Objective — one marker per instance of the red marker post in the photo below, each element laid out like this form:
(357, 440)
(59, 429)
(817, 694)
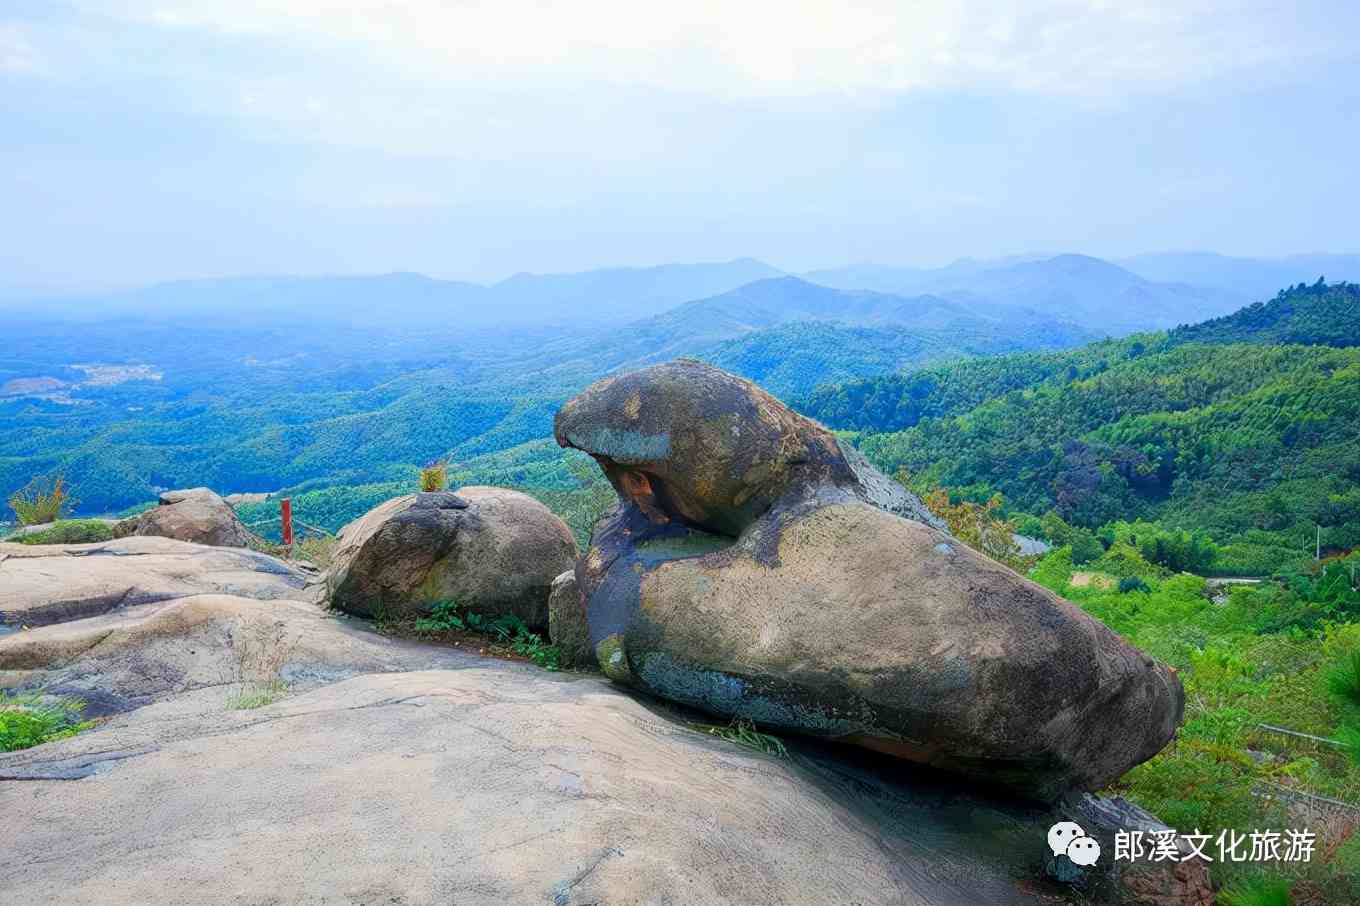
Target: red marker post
(286, 514)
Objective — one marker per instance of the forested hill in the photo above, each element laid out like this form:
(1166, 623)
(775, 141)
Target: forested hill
(1219, 427)
(1321, 315)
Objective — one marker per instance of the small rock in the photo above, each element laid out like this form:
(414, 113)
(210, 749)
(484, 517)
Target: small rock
(567, 628)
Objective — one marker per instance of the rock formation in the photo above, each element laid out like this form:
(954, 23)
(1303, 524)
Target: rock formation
(50, 583)
(492, 550)
(196, 515)
(755, 569)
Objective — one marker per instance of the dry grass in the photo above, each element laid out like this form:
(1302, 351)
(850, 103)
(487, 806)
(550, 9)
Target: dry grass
(262, 650)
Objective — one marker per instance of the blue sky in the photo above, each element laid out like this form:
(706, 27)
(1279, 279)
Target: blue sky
(159, 140)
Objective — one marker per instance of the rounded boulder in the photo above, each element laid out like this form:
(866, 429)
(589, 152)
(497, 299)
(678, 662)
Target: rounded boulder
(196, 515)
(492, 550)
(756, 569)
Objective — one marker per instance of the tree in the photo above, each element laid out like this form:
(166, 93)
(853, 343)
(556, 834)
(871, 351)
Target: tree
(980, 526)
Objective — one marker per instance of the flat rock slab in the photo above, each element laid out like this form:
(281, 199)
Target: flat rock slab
(147, 653)
(53, 583)
(478, 785)
(393, 771)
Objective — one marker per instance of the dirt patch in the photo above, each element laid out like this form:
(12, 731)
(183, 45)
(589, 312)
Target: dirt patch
(1092, 580)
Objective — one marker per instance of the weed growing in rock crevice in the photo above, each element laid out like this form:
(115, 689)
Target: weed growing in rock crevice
(745, 734)
(262, 649)
(257, 695)
(508, 634)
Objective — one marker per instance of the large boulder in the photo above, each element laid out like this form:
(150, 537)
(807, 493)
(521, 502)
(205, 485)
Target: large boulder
(53, 583)
(196, 515)
(751, 571)
(492, 550)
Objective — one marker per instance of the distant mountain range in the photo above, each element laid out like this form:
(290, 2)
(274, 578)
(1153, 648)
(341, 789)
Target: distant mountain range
(1146, 292)
(1087, 291)
(610, 296)
(749, 323)
(614, 295)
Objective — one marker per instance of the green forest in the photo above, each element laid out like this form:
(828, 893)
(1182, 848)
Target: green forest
(1245, 430)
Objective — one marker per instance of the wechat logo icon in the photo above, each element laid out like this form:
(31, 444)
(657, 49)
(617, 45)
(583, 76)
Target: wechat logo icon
(1066, 838)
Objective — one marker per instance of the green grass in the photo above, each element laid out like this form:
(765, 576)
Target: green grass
(744, 733)
(68, 531)
(28, 720)
(257, 695)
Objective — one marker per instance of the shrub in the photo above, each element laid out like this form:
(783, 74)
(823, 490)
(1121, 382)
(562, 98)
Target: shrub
(69, 531)
(1132, 583)
(1124, 560)
(1029, 526)
(979, 525)
(1344, 678)
(29, 720)
(318, 549)
(434, 477)
(1181, 551)
(1054, 570)
(41, 501)
(444, 617)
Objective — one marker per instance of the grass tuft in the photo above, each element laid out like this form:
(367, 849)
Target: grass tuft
(41, 501)
(743, 732)
(257, 695)
(434, 477)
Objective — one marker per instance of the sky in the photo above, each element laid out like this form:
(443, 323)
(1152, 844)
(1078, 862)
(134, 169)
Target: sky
(149, 141)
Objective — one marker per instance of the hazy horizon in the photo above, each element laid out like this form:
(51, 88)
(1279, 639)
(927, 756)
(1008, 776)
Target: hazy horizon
(206, 138)
(16, 290)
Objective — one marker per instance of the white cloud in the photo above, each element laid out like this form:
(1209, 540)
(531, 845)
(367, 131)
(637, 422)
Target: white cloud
(769, 48)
